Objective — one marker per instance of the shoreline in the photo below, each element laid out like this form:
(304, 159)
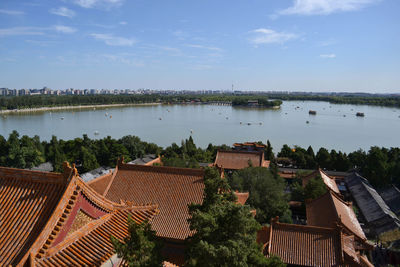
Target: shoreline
(43, 109)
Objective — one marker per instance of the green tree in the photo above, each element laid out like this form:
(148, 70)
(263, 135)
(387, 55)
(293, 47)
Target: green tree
(225, 231)
(376, 167)
(323, 158)
(269, 155)
(266, 193)
(315, 188)
(89, 161)
(141, 247)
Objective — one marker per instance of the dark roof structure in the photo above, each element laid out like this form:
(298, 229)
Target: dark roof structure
(373, 208)
(302, 245)
(236, 160)
(148, 159)
(391, 196)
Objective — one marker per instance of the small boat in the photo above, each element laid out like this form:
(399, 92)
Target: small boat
(312, 112)
(241, 122)
(96, 132)
(260, 123)
(307, 122)
(360, 114)
(160, 118)
(249, 123)
(110, 116)
(191, 131)
(226, 118)
(62, 118)
(344, 115)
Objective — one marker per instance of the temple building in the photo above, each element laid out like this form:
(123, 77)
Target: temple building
(173, 189)
(249, 146)
(376, 213)
(301, 245)
(52, 219)
(330, 210)
(236, 160)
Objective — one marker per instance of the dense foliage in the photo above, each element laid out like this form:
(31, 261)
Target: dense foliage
(18, 102)
(35, 101)
(225, 231)
(86, 153)
(392, 101)
(141, 247)
(188, 155)
(381, 166)
(267, 194)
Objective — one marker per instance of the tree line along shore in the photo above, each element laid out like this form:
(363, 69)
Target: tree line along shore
(381, 166)
(262, 100)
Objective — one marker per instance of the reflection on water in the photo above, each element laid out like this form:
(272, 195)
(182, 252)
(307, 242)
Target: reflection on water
(334, 126)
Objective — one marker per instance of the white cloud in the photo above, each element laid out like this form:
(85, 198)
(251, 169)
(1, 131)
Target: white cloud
(110, 39)
(212, 48)
(327, 56)
(63, 11)
(21, 31)
(324, 7)
(64, 29)
(123, 23)
(11, 12)
(98, 3)
(268, 36)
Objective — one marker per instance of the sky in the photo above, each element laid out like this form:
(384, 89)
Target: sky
(285, 45)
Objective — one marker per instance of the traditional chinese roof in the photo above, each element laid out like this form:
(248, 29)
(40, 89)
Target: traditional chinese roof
(101, 183)
(391, 196)
(171, 188)
(91, 245)
(373, 208)
(236, 160)
(253, 144)
(40, 211)
(308, 245)
(329, 209)
(241, 197)
(329, 181)
(27, 201)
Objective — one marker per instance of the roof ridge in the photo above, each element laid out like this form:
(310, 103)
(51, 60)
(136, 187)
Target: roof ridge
(163, 169)
(304, 227)
(26, 175)
(240, 152)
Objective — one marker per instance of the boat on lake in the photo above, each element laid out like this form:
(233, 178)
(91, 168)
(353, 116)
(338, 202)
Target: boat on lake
(360, 114)
(312, 112)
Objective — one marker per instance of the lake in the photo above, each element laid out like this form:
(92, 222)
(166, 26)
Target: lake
(334, 126)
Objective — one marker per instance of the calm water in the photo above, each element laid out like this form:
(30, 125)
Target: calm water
(165, 124)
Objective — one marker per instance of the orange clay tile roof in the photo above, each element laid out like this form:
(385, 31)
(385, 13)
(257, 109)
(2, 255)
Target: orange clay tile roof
(171, 188)
(236, 160)
(305, 245)
(100, 183)
(329, 181)
(91, 245)
(329, 209)
(27, 201)
(241, 197)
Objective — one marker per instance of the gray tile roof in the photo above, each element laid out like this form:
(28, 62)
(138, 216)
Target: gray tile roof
(371, 204)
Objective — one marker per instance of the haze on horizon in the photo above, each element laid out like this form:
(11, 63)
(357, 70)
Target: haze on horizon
(293, 45)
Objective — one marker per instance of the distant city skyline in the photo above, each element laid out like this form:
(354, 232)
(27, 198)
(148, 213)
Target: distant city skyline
(257, 45)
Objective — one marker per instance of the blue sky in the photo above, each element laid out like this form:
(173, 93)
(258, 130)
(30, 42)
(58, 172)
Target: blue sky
(294, 45)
